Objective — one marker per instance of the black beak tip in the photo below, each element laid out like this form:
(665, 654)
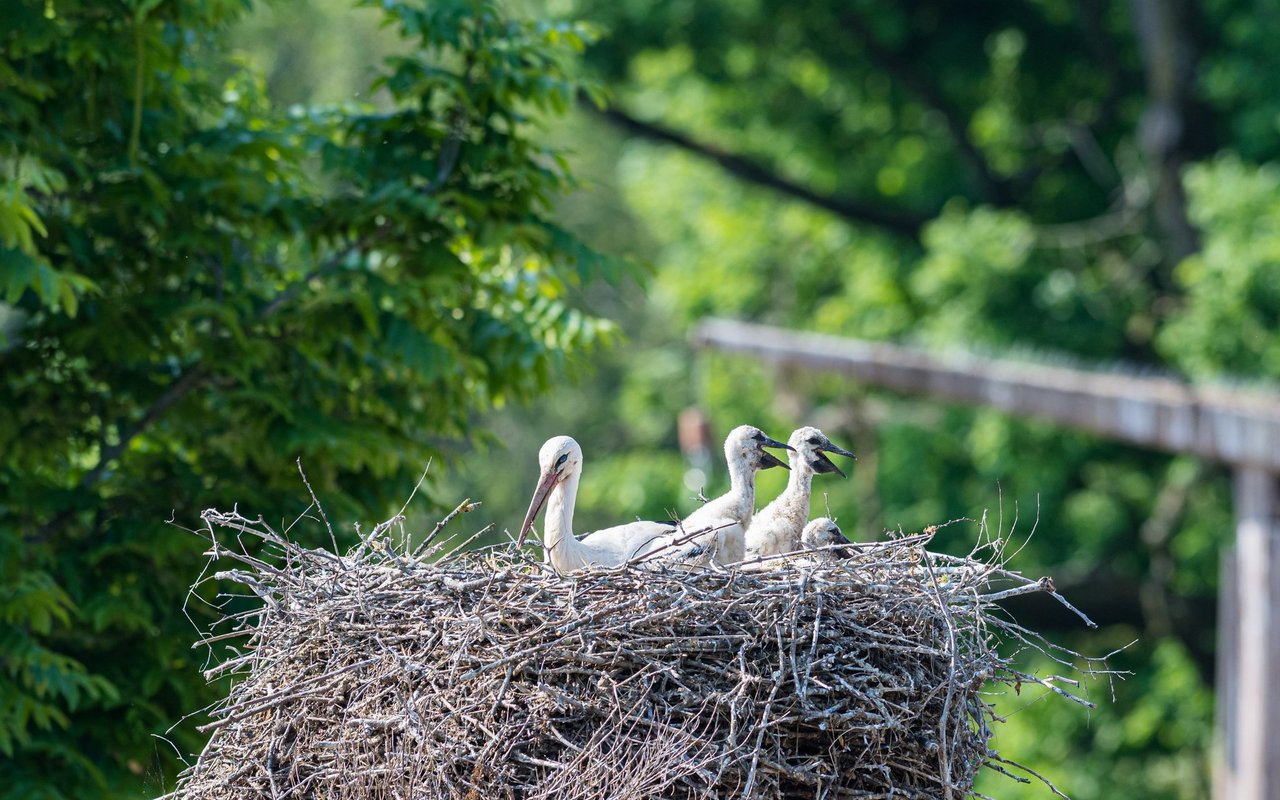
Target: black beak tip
(840, 451)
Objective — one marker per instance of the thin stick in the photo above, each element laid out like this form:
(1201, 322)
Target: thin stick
(315, 501)
(462, 508)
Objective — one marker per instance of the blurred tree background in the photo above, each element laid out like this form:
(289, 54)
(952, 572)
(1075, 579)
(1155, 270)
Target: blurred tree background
(1051, 180)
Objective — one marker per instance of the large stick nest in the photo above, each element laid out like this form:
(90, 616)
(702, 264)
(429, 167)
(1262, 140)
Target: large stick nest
(388, 672)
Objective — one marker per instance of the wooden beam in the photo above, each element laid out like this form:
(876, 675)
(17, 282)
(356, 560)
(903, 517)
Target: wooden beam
(1231, 426)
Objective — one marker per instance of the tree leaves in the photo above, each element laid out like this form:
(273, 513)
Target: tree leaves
(201, 288)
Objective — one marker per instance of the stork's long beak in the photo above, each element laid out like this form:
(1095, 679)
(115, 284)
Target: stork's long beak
(768, 459)
(545, 484)
(824, 464)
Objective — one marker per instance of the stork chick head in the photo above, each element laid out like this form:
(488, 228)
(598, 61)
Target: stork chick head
(822, 532)
(558, 460)
(747, 443)
(811, 445)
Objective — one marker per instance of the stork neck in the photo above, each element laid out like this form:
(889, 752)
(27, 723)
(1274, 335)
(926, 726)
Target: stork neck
(742, 484)
(799, 485)
(563, 549)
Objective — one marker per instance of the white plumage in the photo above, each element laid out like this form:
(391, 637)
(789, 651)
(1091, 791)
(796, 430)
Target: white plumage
(823, 539)
(776, 528)
(560, 462)
(729, 515)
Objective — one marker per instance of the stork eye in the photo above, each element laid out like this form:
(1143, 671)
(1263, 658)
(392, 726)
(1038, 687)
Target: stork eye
(560, 461)
(814, 440)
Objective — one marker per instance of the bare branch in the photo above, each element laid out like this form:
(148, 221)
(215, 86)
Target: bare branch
(901, 223)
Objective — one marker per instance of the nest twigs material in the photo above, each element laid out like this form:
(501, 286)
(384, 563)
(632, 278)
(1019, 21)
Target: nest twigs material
(392, 671)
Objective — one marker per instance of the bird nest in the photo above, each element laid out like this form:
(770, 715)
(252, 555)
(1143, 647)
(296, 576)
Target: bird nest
(397, 672)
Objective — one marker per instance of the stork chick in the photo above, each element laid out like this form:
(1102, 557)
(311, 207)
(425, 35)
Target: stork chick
(560, 463)
(776, 528)
(824, 539)
(729, 515)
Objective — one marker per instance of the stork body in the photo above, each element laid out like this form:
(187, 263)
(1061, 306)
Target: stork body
(776, 528)
(728, 516)
(560, 461)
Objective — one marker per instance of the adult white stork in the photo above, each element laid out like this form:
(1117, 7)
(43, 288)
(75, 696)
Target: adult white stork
(729, 515)
(560, 461)
(823, 539)
(776, 529)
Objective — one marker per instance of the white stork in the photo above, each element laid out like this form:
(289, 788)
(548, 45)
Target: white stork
(729, 515)
(824, 539)
(560, 461)
(776, 528)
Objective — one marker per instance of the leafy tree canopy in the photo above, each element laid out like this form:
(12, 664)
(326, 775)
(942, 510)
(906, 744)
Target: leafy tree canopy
(200, 286)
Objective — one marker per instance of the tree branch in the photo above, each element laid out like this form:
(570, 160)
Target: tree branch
(190, 378)
(329, 265)
(1169, 59)
(901, 223)
(995, 188)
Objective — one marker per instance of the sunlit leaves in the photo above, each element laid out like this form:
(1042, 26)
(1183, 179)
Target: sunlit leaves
(23, 266)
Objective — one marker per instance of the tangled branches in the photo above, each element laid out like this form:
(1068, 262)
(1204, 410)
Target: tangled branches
(387, 673)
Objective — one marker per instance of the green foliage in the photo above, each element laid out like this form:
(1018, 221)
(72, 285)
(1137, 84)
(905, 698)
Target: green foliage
(202, 286)
(40, 686)
(1228, 320)
(22, 265)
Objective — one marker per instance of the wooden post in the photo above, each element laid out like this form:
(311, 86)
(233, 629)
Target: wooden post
(1248, 765)
(1225, 755)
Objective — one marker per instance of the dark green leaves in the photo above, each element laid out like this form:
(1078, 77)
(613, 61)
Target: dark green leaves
(198, 288)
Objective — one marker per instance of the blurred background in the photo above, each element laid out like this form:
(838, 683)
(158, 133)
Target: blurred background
(1064, 182)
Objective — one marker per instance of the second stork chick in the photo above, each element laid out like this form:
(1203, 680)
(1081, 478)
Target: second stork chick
(729, 515)
(776, 528)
